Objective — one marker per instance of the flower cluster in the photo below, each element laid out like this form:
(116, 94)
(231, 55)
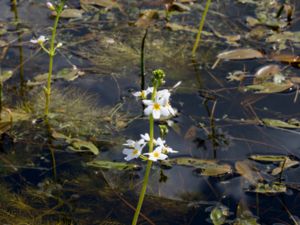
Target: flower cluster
(157, 107)
(134, 149)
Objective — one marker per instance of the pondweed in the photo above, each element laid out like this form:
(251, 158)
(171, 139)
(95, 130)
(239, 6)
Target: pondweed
(157, 107)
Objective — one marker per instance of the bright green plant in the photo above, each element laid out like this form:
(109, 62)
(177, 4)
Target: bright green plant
(57, 9)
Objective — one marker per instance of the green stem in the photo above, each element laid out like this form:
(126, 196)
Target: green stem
(51, 57)
(149, 165)
(196, 44)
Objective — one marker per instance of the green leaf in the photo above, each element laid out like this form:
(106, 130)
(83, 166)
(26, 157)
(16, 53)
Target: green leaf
(269, 158)
(5, 75)
(219, 214)
(113, 165)
(270, 188)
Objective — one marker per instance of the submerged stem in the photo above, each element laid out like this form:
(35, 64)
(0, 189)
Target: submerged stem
(196, 44)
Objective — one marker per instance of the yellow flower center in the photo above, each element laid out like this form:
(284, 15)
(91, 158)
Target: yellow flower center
(156, 106)
(143, 94)
(156, 154)
(135, 152)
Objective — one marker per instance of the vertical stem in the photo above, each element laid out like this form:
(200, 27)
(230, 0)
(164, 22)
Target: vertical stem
(149, 164)
(51, 57)
(143, 61)
(196, 44)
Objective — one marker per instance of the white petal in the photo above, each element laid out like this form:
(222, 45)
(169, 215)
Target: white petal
(156, 114)
(164, 111)
(127, 151)
(137, 94)
(162, 156)
(148, 102)
(148, 110)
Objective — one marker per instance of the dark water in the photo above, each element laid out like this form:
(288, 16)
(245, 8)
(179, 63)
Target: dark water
(106, 48)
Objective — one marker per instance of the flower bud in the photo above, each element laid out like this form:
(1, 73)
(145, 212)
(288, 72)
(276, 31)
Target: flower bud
(50, 6)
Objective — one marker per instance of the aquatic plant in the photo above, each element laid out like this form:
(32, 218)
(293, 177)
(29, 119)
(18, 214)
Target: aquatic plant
(157, 107)
(57, 8)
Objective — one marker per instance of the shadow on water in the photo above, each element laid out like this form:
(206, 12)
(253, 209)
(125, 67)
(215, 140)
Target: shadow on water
(93, 108)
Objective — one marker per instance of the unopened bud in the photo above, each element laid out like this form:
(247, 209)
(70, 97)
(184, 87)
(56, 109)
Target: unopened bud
(50, 6)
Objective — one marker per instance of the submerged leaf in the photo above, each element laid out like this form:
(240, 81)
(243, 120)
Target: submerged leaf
(70, 13)
(101, 3)
(5, 75)
(219, 214)
(146, 18)
(113, 165)
(279, 123)
(80, 145)
(247, 170)
(240, 54)
(244, 215)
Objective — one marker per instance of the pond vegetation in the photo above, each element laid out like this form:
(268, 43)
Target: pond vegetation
(71, 73)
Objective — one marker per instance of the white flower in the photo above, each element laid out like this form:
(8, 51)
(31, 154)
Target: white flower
(156, 108)
(40, 40)
(131, 143)
(163, 95)
(278, 78)
(167, 149)
(145, 137)
(156, 155)
(143, 94)
(50, 6)
(159, 142)
(133, 153)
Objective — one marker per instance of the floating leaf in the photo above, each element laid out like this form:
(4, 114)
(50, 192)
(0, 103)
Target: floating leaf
(268, 158)
(269, 87)
(240, 54)
(113, 165)
(146, 18)
(284, 165)
(247, 170)
(203, 167)
(70, 13)
(269, 188)
(265, 73)
(279, 123)
(69, 74)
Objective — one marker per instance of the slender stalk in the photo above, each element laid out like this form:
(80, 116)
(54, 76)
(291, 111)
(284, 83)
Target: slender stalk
(196, 44)
(143, 61)
(149, 165)
(51, 57)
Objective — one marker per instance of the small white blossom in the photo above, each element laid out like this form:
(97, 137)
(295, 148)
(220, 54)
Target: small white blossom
(163, 95)
(157, 154)
(144, 93)
(145, 137)
(40, 40)
(59, 45)
(156, 108)
(134, 152)
(167, 149)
